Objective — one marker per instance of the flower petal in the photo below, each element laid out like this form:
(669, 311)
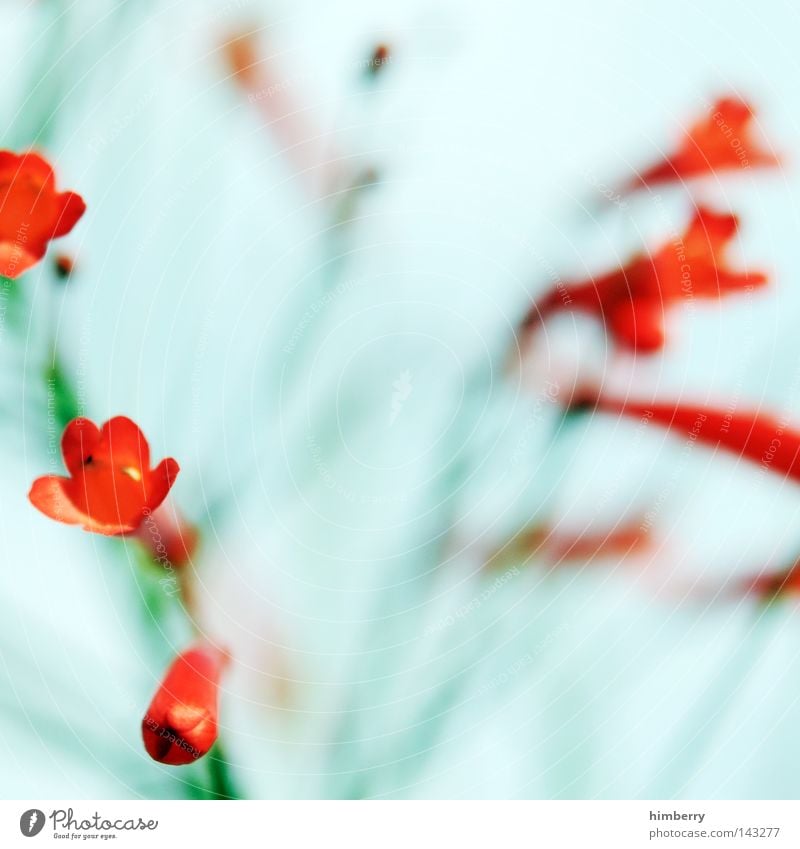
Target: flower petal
(160, 481)
(71, 208)
(15, 259)
(78, 442)
(37, 168)
(49, 497)
(124, 444)
(638, 324)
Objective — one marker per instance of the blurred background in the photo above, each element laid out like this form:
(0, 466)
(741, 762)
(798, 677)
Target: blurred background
(313, 232)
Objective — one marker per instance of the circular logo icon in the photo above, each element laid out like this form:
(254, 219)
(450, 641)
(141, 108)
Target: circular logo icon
(31, 822)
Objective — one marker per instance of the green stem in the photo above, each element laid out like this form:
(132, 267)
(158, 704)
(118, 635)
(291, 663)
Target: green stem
(222, 786)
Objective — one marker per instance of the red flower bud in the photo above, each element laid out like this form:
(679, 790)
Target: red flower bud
(720, 141)
(380, 56)
(180, 725)
(111, 485)
(631, 301)
(31, 211)
(64, 265)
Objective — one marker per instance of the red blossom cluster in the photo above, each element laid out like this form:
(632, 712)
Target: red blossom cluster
(759, 438)
(631, 300)
(111, 489)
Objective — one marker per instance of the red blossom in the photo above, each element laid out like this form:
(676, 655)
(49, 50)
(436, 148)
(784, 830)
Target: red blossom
(32, 212)
(180, 725)
(722, 140)
(631, 300)
(111, 487)
(758, 437)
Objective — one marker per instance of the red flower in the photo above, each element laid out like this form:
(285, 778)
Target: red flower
(31, 211)
(180, 725)
(111, 485)
(631, 300)
(757, 437)
(720, 141)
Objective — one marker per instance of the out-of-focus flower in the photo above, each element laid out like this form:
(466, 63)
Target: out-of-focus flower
(772, 584)
(722, 140)
(557, 547)
(288, 116)
(243, 58)
(111, 485)
(32, 212)
(631, 300)
(180, 725)
(380, 57)
(754, 436)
